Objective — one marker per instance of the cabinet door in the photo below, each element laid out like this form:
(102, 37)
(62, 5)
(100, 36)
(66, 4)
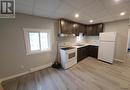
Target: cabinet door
(84, 52)
(85, 30)
(94, 30)
(73, 28)
(81, 28)
(94, 51)
(87, 51)
(79, 54)
(89, 30)
(100, 28)
(66, 27)
(76, 27)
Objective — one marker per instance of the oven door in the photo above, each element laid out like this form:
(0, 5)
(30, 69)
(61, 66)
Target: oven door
(71, 55)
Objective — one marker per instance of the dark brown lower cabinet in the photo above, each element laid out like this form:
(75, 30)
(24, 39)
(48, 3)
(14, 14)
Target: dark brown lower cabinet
(93, 51)
(81, 53)
(86, 51)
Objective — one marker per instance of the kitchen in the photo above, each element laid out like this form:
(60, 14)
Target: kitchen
(94, 48)
(73, 29)
(55, 45)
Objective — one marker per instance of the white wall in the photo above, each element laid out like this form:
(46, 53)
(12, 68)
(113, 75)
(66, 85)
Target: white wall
(1, 70)
(13, 45)
(121, 27)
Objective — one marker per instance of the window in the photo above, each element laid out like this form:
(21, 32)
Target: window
(37, 40)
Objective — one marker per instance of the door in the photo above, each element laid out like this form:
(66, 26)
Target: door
(106, 51)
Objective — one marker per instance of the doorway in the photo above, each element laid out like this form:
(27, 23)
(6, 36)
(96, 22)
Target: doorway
(128, 45)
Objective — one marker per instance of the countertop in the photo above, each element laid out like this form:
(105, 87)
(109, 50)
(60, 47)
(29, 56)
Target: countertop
(85, 45)
(78, 45)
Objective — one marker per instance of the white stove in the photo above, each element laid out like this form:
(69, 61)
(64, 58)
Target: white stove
(68, 56)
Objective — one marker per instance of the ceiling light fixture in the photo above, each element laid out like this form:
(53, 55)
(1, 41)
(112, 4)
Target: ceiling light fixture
(91, 21)
(76, 15)
(122, 13)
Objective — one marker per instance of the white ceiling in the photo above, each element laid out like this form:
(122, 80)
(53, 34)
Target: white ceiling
(98, 10)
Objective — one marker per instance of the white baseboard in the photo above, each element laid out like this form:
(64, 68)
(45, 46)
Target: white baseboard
(31, 70)
(40, 67)
(119, 60)
(14, 76)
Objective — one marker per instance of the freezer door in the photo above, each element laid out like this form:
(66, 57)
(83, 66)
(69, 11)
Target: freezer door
(106, 51)
(107, 36)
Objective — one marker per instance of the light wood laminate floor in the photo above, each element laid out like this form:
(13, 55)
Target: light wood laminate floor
(89, 74)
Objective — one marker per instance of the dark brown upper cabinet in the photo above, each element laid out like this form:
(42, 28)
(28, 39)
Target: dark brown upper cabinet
(79, 28)
(91, 30)
(94, 30)
(71, 27)
(100, 28)
(76, 29)
(66, 27)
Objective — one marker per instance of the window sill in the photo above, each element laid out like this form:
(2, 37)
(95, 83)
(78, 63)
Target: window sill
(37, 52)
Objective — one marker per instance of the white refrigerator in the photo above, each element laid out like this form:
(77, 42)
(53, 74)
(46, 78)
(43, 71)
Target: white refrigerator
(106, 50)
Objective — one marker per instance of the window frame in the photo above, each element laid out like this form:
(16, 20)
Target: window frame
(27, 41)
